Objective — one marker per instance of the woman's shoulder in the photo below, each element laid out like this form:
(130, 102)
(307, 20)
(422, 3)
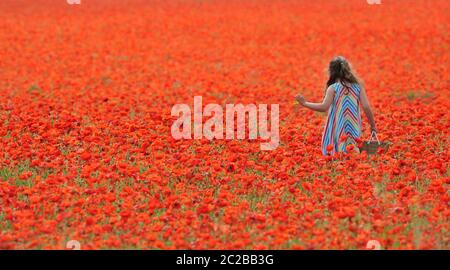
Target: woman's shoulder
(355, 85)
(335, 85)
(332, 87)
(358, 86)
(339, 86)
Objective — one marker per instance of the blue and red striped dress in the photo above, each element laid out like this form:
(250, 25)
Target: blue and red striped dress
(344, 119)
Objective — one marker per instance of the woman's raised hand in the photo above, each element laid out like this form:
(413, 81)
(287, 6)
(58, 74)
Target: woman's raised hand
(300, 99)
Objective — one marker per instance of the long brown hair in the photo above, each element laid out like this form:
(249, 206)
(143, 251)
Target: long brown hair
(340, 70)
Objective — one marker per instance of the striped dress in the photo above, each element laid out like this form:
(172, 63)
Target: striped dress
(344, 119)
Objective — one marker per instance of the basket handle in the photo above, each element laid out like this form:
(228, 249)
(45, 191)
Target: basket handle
(373, 137)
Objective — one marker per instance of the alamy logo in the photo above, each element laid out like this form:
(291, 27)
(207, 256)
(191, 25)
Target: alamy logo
(74, 2)
(373, 245)
(213, 128)
(73, 245)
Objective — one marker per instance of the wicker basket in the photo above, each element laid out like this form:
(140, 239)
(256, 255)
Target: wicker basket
(373, 144)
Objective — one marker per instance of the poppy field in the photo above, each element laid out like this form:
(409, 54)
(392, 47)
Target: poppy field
(86, 92)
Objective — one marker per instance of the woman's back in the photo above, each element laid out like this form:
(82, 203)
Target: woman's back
(344, 118)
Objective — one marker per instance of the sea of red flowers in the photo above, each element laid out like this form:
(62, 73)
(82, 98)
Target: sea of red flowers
(86, 93)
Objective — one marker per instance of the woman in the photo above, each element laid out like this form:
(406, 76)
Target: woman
(344, 93)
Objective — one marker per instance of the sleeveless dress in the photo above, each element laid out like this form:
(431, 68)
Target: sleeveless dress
(343, 125)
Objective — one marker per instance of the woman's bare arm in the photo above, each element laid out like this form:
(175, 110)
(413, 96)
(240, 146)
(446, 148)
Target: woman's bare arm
(367, 109)
(320, 107)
